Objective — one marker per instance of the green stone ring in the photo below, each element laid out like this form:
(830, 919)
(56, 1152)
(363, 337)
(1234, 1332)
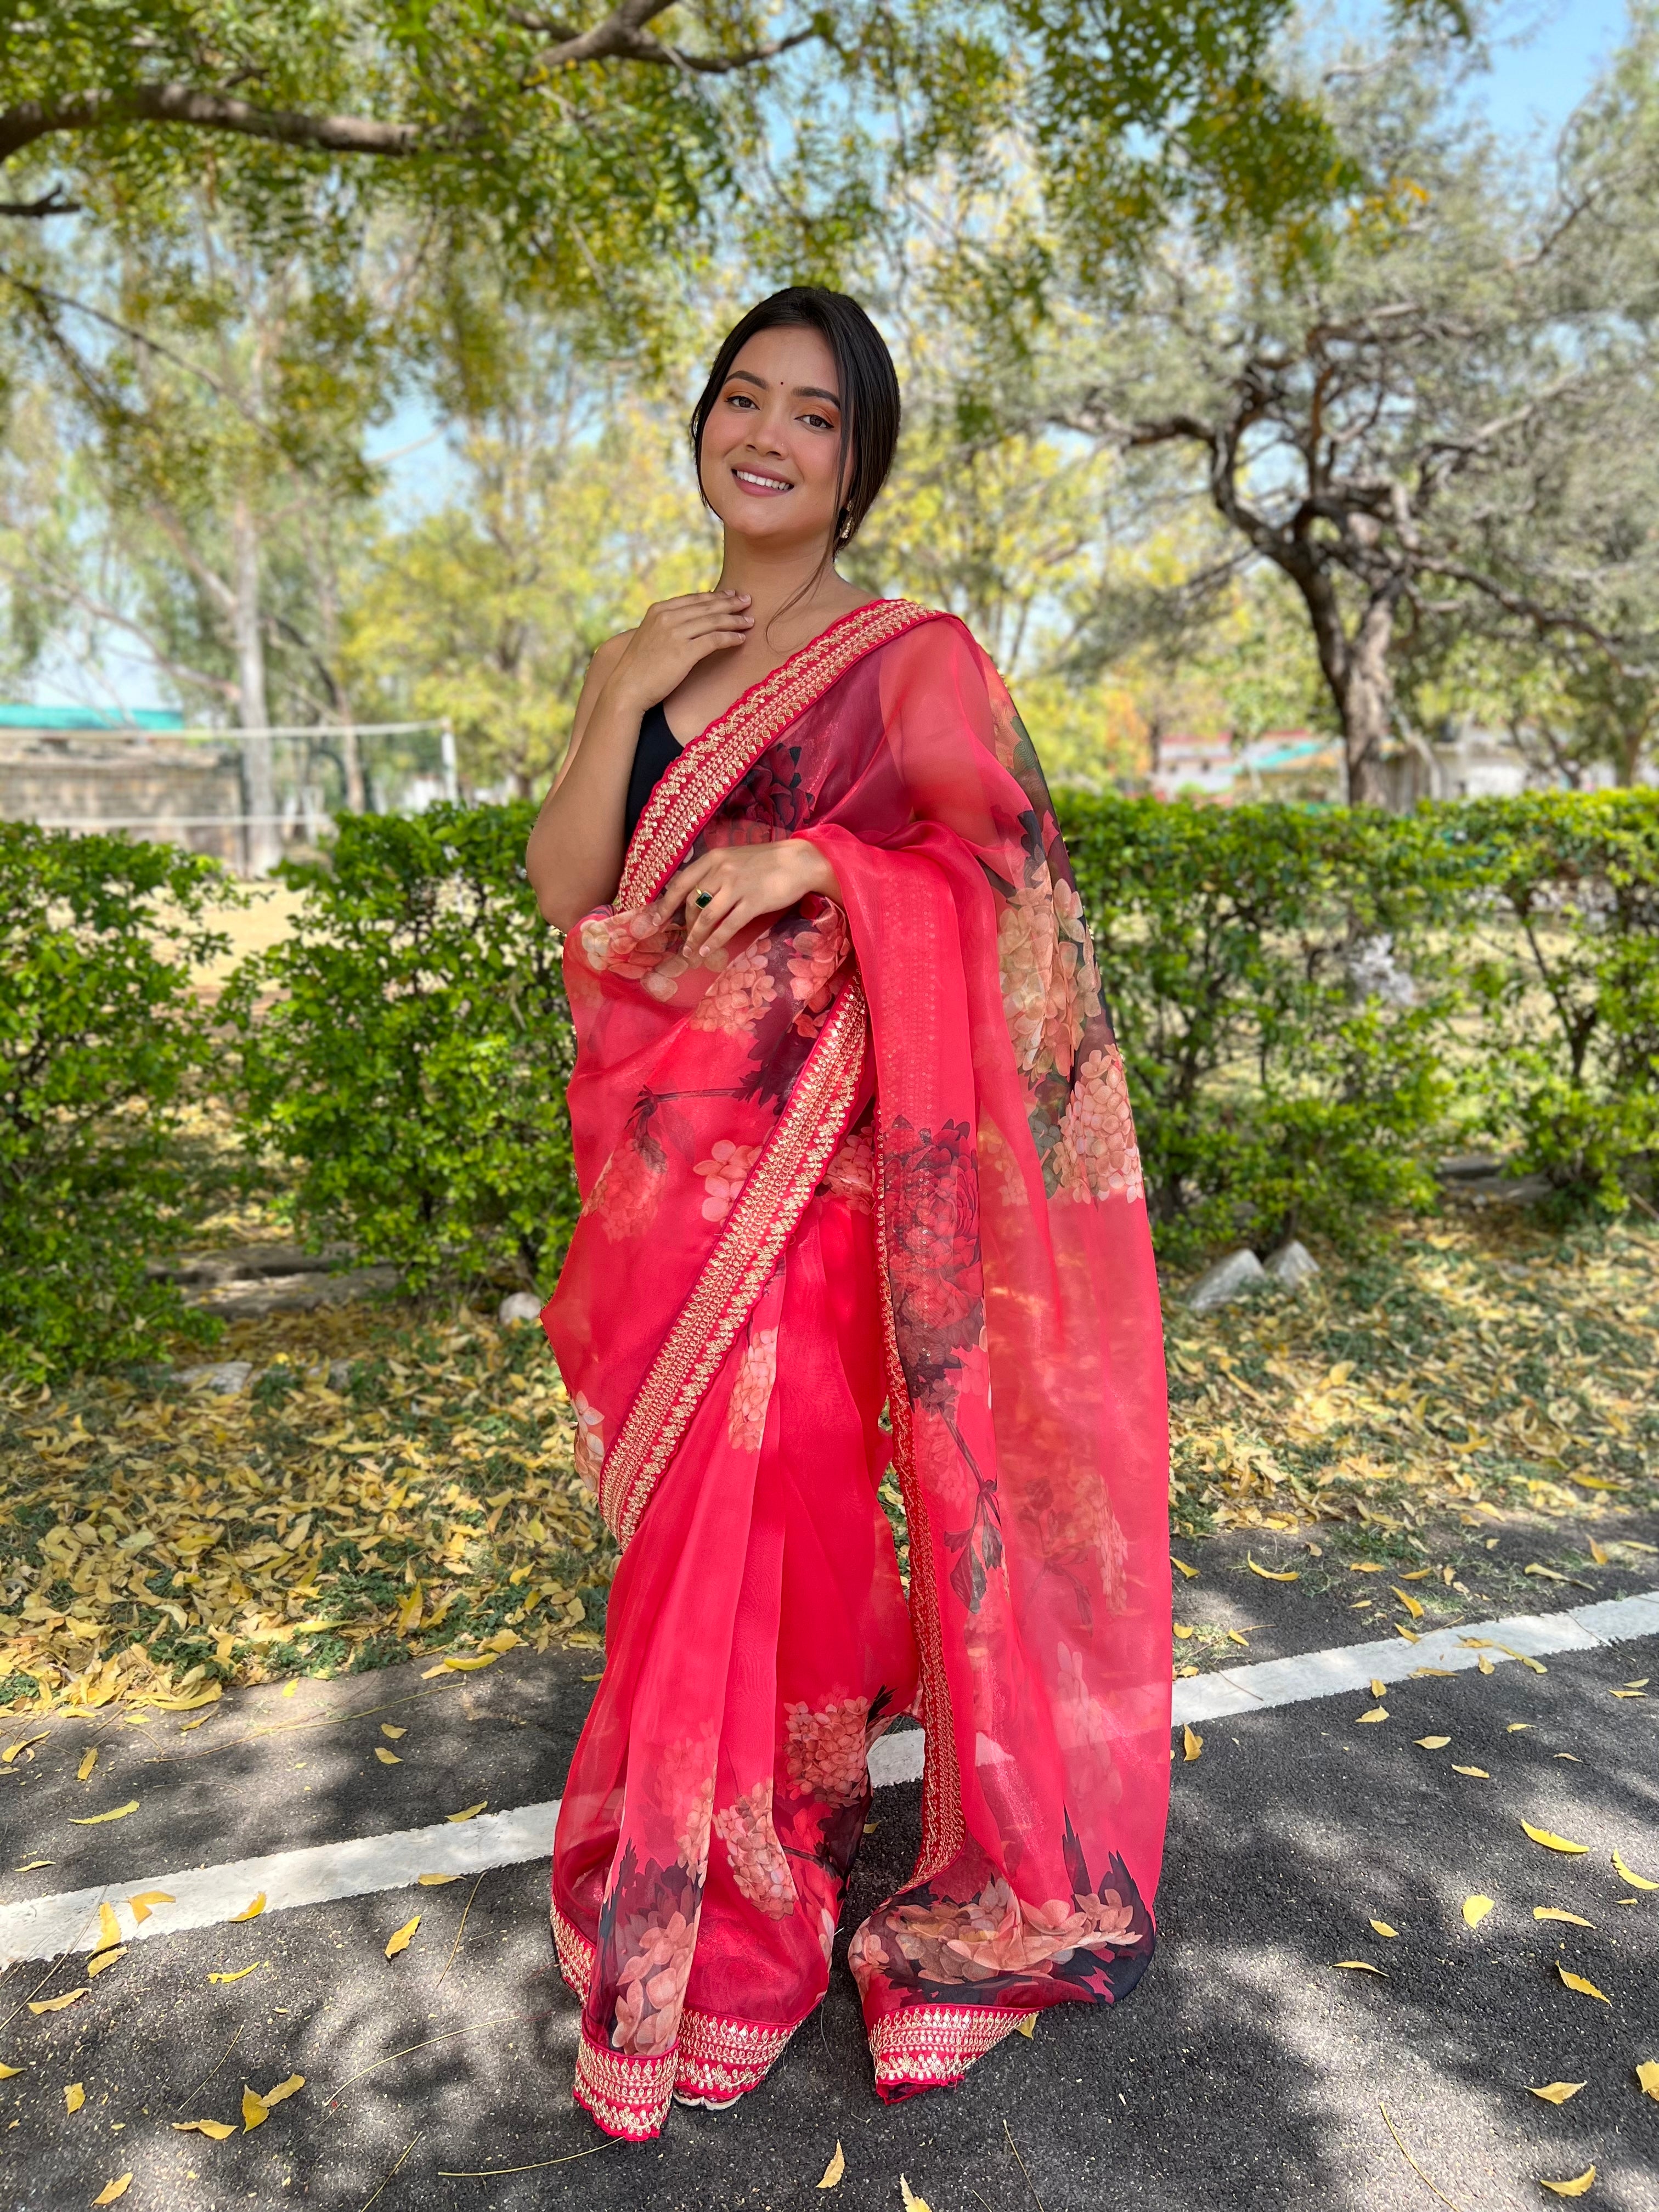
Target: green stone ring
(705, 898)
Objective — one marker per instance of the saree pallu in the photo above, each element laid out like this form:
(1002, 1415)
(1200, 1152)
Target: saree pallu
(869, 1190)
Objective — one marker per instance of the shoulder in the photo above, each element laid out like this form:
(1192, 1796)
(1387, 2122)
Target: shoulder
(606, 656)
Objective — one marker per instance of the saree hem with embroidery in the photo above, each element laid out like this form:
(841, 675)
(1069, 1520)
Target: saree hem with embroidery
(860, 1204)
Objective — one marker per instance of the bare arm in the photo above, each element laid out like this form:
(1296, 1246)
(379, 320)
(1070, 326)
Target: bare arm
(574, 856)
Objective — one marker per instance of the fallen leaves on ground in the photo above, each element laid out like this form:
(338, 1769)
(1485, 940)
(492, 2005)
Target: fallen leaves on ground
(912, 2201)
(1376, 1713)
(97, 1819)
(1647, 2073)
(105, 1959)
(114, 2190)
(218, 2131)
(1584, 1989)
(1360, 1966)
(1480, 1773)
(1476, 1908)
(1635, 1880)
(88, 1760)
(161, 1543)
(1576, 2187)
(400, 1941)
(1383, 1929)
(1402, 1382)
(139, 1906)
(60, 2004)
(1557, 2093)
(468, 1811)
(1268, 1575)
(74, 2097)
(283, 2090)
(241, 1972)
(251, 1912)
(1557, 1912)
(834, 2171)
(1192, 1740)
(1432, 1742)
(1550, 1841)
(255, 2111)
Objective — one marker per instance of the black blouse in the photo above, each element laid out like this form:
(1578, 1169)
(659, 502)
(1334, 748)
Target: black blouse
(655, 753)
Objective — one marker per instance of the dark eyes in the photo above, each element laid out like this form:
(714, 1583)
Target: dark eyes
(748, 402)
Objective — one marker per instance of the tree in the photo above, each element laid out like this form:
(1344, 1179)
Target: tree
(576, 507)
(1400, 415)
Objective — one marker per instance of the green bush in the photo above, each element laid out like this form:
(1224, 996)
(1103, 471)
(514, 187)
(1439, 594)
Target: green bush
(1565, 969)
(103, 1048)
(1282, 982)
(404, 1052)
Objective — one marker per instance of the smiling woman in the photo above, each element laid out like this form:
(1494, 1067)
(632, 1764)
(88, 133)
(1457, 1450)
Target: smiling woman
(853, 1139)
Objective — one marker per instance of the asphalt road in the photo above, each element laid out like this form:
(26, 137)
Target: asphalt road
(1249, 2071)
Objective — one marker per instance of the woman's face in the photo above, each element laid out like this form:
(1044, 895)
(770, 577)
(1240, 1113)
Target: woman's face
(771, 446)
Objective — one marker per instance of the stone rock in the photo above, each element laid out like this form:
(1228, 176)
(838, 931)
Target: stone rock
(1229, 1278)
(1293, 1264)
(520, 1305)
(227, 1375)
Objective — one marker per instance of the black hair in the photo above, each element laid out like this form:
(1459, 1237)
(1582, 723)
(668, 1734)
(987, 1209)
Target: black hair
(864, 371)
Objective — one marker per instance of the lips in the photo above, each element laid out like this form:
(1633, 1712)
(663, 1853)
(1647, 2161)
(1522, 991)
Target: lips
(757, 481)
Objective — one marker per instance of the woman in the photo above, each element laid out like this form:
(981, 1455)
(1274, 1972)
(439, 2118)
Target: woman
(852, 1134)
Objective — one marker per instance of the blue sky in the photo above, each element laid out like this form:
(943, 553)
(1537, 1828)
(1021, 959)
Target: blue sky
(1545, 56)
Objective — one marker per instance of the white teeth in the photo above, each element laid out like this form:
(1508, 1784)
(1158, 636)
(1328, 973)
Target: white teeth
(767, 484)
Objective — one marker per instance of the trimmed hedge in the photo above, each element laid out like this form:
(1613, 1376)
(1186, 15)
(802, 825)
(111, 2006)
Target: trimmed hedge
(1313, 1006)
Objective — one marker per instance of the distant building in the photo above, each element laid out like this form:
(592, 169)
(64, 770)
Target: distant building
(1280, 764)
(79, 768)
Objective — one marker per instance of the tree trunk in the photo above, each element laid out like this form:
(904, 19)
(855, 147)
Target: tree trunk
(1367, 707)
(263, 846)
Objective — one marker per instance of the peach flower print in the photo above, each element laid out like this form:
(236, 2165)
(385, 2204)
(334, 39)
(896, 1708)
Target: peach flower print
(588, 1450)
(852, 1173)
(758, 1866)
(826, 1750)
(737, 996)
(751, 1393)
(818, 951)
(723, 1175)
(996, 1933)
(653, 1987)
(1099, 1155)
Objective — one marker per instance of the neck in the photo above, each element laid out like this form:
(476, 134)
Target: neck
(798, 578)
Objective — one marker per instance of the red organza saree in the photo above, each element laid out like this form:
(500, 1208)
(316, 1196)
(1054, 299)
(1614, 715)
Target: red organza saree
(882, 1159)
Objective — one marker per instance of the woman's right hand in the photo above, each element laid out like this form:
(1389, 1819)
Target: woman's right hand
(673, 637)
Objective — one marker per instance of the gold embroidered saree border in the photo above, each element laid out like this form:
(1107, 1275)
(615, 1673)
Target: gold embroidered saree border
(774, 1195)
(932, 2046)
(693, 785)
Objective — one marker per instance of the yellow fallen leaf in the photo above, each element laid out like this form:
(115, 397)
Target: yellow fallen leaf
(387, 1758)
(436, 1881)
(1413, 1605)
(1585, 1989)
(93, 1820)
(139, 1906)
(1379, 1689)
(218, 2130)
(1026, 2025)
(1576, 2187)
(1191, 1573)
(1366, 1567)
(22, 1744)
(1267, 1575)
(105, 1958)
(472, 1666)
(1192, 1740)
(1479, 1772)
(109, 1927)
(1376, 1713)
(241, 1972)
(1555, 1912)
(1383, 1929)
(1635, 1880)
(468, 1811)
(1647, 2073)
(255, 2111)
(284, 2089)
(1237, 1636)
(400, 1940)
(251, 1912)
(88, 1760)
(112, 2190)
(388, 1729)
(912, 2201)
(29, 1865)
(1640, 1683)
(1557, 2093)
(60, 2004)
(1433, 1742)
(9, 2073)
(74, 2097)
(1476, 1908)
(1515, 1728)
(1627, 1693)
(1180, 1629)
(1550, 1840)
(1486, 1665)
(1360, 1967)
(1401, 1629)
(834, 2171)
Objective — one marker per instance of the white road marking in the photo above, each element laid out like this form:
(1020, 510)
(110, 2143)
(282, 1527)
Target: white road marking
(208, 1897)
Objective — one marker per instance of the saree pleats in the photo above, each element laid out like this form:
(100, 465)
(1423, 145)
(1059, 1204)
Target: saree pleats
(879, 1156)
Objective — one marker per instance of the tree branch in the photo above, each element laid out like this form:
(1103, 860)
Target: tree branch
(35, 211)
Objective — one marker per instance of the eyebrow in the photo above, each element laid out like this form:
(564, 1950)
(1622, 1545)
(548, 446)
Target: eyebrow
(801, 390)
